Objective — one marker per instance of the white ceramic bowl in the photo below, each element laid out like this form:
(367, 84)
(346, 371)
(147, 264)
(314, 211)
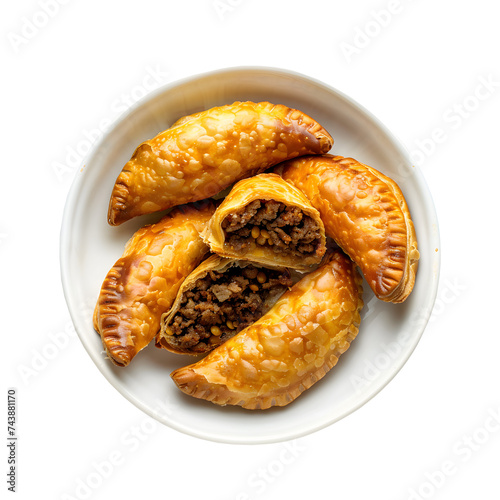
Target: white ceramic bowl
(89, 247)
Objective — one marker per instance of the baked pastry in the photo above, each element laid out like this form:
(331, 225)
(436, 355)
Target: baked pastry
(204, 153)
(365, 212)
(217, 300)
(266, 220)
(285, 352)
(143, 283)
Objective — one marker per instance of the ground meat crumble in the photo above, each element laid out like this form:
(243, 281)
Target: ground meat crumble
(222, 304)
(270, 223)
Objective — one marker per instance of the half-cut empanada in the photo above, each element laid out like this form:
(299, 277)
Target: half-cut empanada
(266, 220)
(295, 344)
(204, 153)
(143, 283)
(217, 300)
(365, 212)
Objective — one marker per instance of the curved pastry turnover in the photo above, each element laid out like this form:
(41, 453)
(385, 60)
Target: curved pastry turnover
(365, 212)
(143, 283)
(266, 220)
(289, 349)
(217, 300)
(204, 153)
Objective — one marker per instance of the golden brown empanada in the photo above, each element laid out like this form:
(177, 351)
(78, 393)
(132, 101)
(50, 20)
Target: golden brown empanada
(365, 212)
(289, 349)
(204, 153)
(266, 220)
(143, 283)
(217, 300)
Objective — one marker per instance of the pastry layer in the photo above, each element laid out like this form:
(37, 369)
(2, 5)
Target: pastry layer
(202, 154)
(143, 283)
(289, 349)
(365, 212)
(266, 220)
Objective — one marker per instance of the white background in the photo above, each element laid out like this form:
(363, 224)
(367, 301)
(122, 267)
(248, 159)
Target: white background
(434, 431)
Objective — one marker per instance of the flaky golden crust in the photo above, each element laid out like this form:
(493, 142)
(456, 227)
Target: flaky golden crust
(212, 263)
(289, 349)
(204, 153)
(143, 283)
(365, 212)
(263, 187)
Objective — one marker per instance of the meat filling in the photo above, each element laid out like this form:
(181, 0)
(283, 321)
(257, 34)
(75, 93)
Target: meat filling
(273, 224)
(222, 304)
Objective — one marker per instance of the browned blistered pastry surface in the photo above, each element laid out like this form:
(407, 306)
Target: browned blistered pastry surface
(365, 212)
(289, 349)
(143, 283)
(204, 153)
